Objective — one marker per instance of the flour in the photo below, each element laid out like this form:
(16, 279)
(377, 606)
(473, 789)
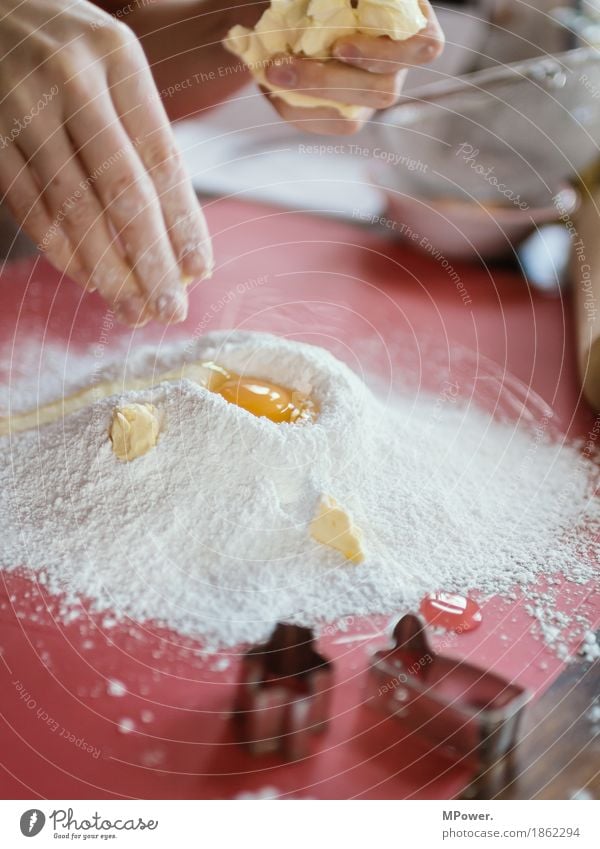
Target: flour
(126, 725)
(17, 369)
(208, 534)
(34, 375)
(116, 688)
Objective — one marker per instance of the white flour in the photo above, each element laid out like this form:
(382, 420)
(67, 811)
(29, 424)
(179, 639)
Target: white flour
(208, 533)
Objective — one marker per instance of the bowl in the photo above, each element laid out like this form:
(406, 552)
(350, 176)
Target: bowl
(464, 229)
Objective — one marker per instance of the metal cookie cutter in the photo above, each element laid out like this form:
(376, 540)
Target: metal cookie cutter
(468, 712)
(283, 693)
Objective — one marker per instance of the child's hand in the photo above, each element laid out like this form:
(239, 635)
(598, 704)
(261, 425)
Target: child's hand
(88, 155)
(368, 72)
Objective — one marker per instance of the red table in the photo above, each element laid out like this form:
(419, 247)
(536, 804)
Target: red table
(367, 299)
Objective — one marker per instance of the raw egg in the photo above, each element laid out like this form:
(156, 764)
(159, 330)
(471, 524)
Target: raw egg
(261, 397)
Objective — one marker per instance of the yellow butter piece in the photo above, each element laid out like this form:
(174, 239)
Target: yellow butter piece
(332, 526)
(310, 28)
(134, 430)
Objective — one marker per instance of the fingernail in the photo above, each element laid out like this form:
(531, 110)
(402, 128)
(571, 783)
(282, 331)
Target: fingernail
(208, 269)
(282, 73)
(347, 52)
(132, 311)
(171, 307)
(194, 263)
(83, 279)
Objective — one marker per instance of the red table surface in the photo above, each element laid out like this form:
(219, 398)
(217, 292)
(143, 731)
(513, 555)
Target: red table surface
(360, 295)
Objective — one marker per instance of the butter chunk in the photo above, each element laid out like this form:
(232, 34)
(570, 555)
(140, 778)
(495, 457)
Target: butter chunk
(134, 430)
(332, 526)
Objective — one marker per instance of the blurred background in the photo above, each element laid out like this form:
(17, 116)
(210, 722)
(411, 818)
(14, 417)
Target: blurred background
(404, 164)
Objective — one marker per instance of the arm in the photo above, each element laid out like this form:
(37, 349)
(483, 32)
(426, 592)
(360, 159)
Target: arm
(89, 165)
(193, 71)
(182, 41)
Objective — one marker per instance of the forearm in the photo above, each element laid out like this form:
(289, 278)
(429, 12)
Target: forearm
(182, 41)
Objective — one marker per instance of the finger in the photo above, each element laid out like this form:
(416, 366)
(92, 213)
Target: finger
(128, 195)
(333, 80)
(75, 208)
(21, 193)
(383, 55)
(322, 120)
(157, 149)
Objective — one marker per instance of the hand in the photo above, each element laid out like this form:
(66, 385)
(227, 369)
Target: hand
(89, 165)
(368, 72)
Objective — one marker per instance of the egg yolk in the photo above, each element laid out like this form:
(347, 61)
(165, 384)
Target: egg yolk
(261, 397)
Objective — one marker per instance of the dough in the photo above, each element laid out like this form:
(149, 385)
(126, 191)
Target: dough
(332, 526)
(311, 27)
(134, 430)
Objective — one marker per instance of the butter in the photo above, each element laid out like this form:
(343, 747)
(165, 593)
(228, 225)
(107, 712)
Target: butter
(311, 28)
(134, 430)
(332, 526)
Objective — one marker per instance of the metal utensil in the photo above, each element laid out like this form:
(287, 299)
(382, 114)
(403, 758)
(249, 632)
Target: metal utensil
(518, 130)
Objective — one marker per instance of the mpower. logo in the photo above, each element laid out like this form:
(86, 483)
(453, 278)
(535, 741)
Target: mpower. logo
(32, 822)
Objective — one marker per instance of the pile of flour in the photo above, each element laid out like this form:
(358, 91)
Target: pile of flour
(208, 534)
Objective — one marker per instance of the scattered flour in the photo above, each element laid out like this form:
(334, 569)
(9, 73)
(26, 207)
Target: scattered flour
(265, 793)
(590, 648)
(116, 688)
(208, 534)
(59, 370)
(153, 758)
(126, 726)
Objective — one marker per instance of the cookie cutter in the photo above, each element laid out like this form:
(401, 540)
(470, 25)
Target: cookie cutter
(469, 713)
(283, 693)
